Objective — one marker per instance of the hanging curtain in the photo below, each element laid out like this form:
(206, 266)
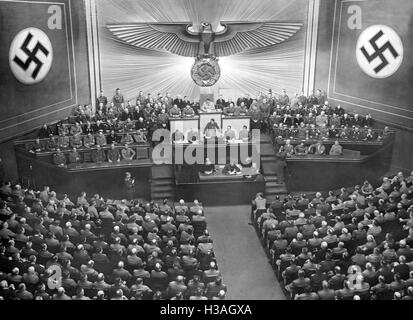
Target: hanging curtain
(254, 71)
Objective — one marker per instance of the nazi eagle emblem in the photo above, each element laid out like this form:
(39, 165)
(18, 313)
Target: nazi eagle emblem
(206, 71)
(206, 42)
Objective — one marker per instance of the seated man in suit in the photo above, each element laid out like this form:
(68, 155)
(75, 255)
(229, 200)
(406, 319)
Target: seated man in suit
(127, 139)
(101, 139)
(178, 136)
(37, 146)
(242, 109)
(244, 134)
(208, 106)
(113, 154)
(300, 149)
(163, 119)
(289, 148)
(89, 141)
(175, 112)
(74, 156)
(140, 137)
(76, 129)
(193, 136)
(76, 141)
(231, 169)
(59, 158)
(128, 154)
(51, 143)
(188, 112)
(322, 120)
(98, 155)
(113, 137)
(336, 149)
(317, 149)
(230, 110)
(229, 134)
(221, 103)
(196, 207)
(63, 141)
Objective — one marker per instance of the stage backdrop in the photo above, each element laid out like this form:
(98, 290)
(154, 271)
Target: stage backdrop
(365, 60)
(43, 63)
(254, 71)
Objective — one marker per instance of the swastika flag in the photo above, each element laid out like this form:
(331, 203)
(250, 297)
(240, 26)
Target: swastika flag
(371, 64)
(36, 60)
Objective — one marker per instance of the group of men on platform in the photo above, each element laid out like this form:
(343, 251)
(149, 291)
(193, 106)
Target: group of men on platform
(312, 132)
(317, 149)
(266, 111)
(119, 121)
(229, 169)
(212, 131)
(98, 155)
(88, 141)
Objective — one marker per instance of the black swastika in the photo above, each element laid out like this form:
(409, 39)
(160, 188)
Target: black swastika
(31, 56)
(378, 52)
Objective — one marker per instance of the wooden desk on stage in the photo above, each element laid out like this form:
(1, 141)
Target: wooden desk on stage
(184, 124)
(205, 118)
(220, 176)
(236, 122)
(219, 152)
(222, 190)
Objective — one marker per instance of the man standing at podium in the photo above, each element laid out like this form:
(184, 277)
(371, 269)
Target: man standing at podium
(208, 106)
(211, 129)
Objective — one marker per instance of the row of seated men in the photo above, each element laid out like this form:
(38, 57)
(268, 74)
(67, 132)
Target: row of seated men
(321, 116)
(311, 132)
(89, 141)
(97, 156)
(352, 244)
(77, 128)
(104, 250)
(301, 149)
(265, 109)
(194, 136)
(118, 101)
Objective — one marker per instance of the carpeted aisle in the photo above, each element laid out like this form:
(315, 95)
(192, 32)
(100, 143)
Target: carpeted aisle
(241, 258)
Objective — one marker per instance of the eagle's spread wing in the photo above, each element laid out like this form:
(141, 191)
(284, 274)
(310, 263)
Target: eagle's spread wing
(172, 37)
(241, 36)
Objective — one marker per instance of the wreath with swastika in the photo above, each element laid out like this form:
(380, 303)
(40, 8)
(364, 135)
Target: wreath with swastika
(206, 71)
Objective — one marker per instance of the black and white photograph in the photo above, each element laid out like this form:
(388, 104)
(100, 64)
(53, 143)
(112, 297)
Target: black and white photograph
(220, 152)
